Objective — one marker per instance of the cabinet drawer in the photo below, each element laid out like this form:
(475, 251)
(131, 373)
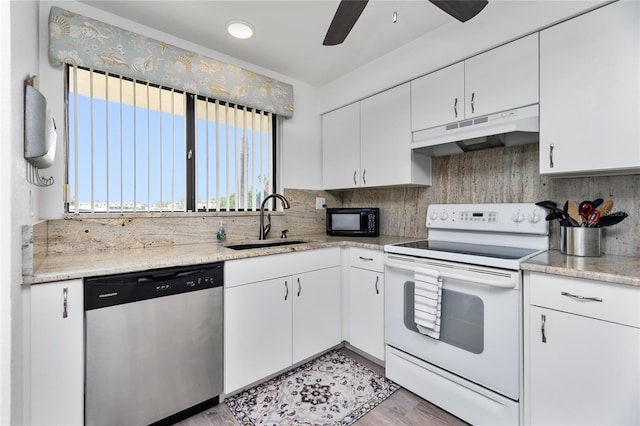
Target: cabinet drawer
(367, 259)
(609, 302)
(260, 268)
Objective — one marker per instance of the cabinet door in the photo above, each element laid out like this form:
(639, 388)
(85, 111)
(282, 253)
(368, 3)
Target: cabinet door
(385, 157)
(503, 78)
(590, 92)
(586, 372)
(57, 353)
(341, 148)
(438, 98)
(316, 312)
(257, 331)
(366, 311)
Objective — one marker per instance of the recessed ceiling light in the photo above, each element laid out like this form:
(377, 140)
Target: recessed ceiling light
(240, 29)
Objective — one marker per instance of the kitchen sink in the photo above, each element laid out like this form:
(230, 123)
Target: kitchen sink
(264, 244)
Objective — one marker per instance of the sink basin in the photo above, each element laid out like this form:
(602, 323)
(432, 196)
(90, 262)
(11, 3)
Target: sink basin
(264, 244)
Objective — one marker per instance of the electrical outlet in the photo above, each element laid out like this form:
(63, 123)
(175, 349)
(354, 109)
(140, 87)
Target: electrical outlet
(320, 203)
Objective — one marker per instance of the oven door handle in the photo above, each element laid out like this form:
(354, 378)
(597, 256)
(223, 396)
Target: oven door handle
(475, 280)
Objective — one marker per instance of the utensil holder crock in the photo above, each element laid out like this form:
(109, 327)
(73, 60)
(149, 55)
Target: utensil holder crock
(580, 241)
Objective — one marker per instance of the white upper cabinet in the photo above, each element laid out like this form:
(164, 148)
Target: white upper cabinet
(497, 80)
(385, 141)
(590, 93)
(341, 147)
(368, 144)
(502, 78)
(438, 98)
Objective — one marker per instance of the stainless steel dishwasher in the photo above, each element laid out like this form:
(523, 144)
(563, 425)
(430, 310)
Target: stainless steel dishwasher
(154, 345)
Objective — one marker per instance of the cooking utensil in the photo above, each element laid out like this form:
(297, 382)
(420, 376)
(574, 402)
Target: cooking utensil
(573, 210)
(556, 213)
(606, 207)
(589, 213)
(548, 205)
(612, 219)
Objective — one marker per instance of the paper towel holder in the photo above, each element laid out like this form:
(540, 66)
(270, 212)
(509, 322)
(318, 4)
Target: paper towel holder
(39, 133)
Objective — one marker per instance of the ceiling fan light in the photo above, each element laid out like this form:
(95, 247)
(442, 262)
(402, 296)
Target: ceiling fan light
(240, 29)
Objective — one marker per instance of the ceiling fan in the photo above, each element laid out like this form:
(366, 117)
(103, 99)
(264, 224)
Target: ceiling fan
(349, 11)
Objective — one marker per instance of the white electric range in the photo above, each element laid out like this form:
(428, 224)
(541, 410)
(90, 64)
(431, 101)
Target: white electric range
(469, 362)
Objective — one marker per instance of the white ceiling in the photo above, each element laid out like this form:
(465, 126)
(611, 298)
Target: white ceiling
(288, 34)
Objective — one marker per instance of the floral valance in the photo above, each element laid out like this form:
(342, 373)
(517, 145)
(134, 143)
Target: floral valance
(77, 40)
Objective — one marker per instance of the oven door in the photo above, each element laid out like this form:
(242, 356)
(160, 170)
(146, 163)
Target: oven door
(480, 334)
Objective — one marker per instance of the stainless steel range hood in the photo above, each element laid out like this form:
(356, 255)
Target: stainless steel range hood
(514, 127)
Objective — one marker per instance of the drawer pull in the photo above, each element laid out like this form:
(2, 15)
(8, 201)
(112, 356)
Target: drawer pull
(578, 297)
(543, 318)
(368, 259)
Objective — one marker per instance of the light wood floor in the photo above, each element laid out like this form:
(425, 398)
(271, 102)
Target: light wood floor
(403, 408)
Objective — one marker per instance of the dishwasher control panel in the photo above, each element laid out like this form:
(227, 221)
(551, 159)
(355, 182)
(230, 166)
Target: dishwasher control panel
(101, 292)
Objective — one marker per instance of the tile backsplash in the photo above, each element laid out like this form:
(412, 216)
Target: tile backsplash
(503, 175)
(491, 176)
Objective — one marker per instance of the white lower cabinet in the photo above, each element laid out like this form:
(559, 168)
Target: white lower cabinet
(316, 312)
(582, 352)
(57, 353)
(257, 331)
(366, 301)
(288, 317)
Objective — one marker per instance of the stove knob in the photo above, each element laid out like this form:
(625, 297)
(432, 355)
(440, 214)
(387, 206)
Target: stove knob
(444, 215)
(534, 217)
(434, 215)
(517, 217)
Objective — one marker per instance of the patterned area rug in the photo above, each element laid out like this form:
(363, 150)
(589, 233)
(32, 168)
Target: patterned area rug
(332, 389)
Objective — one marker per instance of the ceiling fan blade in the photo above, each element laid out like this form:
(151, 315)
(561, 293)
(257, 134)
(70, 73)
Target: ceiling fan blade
(462, 10)
(345, 18)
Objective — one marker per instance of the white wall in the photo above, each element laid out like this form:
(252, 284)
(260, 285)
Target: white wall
(5, 215)
(20, 46)
(448, 44)
(300, 135)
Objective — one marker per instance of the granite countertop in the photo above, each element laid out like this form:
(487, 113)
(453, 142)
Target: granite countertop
(108, 262)
(612, 269)
(608, 268)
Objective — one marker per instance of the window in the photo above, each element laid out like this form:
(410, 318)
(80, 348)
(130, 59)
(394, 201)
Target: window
(136, 147)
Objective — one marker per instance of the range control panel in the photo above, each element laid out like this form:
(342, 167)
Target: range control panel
(502, 217)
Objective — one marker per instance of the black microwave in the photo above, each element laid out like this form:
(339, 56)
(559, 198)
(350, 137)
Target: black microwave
(357, 222)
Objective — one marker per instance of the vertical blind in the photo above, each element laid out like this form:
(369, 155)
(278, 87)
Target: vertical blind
(128, 148)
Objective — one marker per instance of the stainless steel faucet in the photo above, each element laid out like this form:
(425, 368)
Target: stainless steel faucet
(264, 230)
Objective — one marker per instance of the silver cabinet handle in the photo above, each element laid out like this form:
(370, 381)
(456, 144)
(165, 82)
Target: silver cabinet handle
(578, 297)
(455, 107)
(473, 102)
(355, 172)
(364, 176)
(286, 286)
(544, 320)
(376, 285)
(551, 156)
(368, 259)
(65, 294)
(299, 287)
